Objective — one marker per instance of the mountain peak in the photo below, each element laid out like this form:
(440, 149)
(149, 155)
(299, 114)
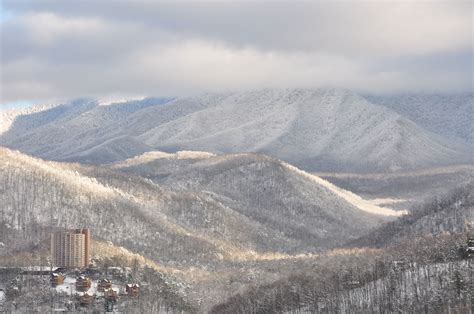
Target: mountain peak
(315, 129)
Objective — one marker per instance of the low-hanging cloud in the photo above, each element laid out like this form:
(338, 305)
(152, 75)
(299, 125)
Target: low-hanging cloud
(52, 49)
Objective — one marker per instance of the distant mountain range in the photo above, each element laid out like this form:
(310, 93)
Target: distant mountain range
(324, 129)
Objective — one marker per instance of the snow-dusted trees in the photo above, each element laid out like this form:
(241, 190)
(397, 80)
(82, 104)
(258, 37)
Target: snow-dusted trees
(405, 278)
(38, 197)
(451, 213)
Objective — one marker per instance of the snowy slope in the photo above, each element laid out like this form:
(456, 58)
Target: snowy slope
(58, 195)
(324, 129)
(224, 207)
(452, 213)
(159, 165)
(75, 130)
(332, 129)
(265, 190)
(449, 115)
(7, 117)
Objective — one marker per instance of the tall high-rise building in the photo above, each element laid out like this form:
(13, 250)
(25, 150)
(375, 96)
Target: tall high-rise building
(87, 244)
(71, 249)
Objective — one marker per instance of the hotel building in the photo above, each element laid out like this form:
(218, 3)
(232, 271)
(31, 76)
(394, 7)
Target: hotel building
(71, 249)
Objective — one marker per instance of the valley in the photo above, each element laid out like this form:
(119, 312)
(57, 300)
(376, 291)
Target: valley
(236, 157)
(205, 219)
(232, 208)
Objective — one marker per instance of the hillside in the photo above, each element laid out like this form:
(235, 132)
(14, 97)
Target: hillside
(189, 170)
(367, 283)
(313, 129)
(46, 194)
(201, 222)
(263, 189)
(215, 230)
(418, 266)
(8, 117)
(163, 288)
(447, 115)
(403, 189)
(324, 129)
(75, 129)
(451, 213)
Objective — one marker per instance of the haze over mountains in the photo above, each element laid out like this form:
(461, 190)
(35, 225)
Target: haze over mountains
(323, 129)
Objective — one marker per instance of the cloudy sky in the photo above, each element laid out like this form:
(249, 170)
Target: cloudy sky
(64, 49)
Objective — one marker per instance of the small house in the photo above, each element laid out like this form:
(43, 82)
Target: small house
(86, 299)
(57, 279)
(132, 290)
(104, 284)
(111, 295)
(83, 283)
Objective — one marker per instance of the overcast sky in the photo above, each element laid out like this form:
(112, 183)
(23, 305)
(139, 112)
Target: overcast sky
(66, 49)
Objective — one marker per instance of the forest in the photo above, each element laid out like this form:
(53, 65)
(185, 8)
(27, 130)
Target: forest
(187, 229)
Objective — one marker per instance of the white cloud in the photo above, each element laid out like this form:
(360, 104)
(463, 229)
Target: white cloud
(51, 50)
(44, 28)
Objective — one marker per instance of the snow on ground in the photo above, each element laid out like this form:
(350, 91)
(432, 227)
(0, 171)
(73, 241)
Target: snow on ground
(301, 127)
(385, 201)
(7, 117)
(327, 129)
(69, 287)
(405, 289)
(107, 101)
(154, 155)
(350, 197)
(15, 159)
(187, 154)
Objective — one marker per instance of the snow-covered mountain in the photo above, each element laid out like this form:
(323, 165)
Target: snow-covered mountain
(269, 191)
(201, 171)
(449, 115)
(7, 117)
(231, 207)
(451, 213)
(324, 129)
(332, 129)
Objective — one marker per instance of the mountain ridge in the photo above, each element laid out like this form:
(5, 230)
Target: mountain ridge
(228, 221)
(317, 130)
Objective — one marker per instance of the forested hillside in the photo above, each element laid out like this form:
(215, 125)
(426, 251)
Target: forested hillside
(420, 265)
(451, 213)
(420, 275)
(227, 216)
(213, 220)
(450, 115)
(227, 222)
